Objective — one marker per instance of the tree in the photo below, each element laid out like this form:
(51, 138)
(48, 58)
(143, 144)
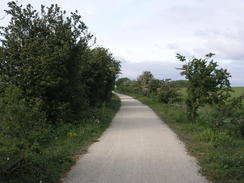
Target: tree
(42, 53)
(99, 74)
(207, 84)
(154, 84)
(120, 83)
(144, 81)
(127, 85)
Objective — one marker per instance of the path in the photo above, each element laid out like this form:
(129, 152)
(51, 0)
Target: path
(137, 148)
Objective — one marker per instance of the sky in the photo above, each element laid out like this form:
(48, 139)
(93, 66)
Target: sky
(147, 34)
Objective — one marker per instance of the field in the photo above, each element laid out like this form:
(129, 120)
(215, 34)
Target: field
(237, 91)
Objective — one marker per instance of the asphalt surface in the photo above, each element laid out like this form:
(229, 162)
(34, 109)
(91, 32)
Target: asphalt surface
(138, 147)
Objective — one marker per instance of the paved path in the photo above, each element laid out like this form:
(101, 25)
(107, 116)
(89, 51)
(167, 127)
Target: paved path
(137, 148)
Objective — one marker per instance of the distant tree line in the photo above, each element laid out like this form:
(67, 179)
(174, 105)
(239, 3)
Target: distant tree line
(165, 91)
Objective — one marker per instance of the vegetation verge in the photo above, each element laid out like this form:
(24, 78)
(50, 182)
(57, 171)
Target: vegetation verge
(68, 140)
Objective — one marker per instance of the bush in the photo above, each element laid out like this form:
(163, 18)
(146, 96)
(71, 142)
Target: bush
(52, 149)
(42, 55)
(128, 86)
(227, 116)
(226, 167)
(99, 75)
(144, 81)
(21, 130)
(167, 93)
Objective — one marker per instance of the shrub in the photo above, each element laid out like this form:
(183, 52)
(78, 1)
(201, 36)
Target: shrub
(230, 116)
(153, 86)
(144, 81)
(167, 93)
(120, 84)
(21, 130)
(99, 75)
(128, 86)
(42, 55)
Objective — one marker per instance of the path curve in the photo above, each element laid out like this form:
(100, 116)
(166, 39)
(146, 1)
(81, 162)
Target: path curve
(138, 147)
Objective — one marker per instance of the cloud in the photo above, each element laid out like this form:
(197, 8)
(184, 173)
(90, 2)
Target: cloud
(160, 70)
(148, 34)
(236, 69)
(226, 45)
(173, 46)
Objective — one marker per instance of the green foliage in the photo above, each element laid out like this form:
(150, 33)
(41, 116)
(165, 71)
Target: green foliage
(99, 75)
(56, 156)
(236, 116)
(120, 83)
(46, 54)
(144, 81)
(230, 115)
(207, 84)
(216, 140)
(180, 83)
(167, 92)
(226, 117)
(225, 167)
(42, 55)
(153, 86)
(51, 83)
(21, 131)
(208, 135)
(237, 91)
(127, 85)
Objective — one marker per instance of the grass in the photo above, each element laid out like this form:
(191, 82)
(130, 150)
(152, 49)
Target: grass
(69, 140)
(237, 91)
(221, 156)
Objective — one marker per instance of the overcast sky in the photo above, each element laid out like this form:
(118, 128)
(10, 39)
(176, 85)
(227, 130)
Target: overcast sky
(147, 34)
